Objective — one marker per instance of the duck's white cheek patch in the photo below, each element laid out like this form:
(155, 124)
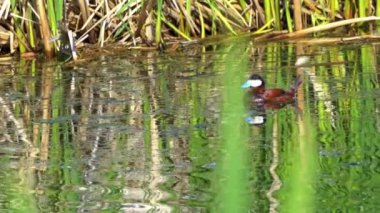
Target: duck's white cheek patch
(255, 83)
(256, 120)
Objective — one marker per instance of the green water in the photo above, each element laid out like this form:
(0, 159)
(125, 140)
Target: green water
(153, 132)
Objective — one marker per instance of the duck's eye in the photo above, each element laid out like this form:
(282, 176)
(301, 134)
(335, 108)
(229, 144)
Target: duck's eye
(255, 83)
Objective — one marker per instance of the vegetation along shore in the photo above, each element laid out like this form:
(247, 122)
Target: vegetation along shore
(63, 26)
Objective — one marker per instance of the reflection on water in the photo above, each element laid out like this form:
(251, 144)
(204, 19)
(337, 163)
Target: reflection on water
(138, 132)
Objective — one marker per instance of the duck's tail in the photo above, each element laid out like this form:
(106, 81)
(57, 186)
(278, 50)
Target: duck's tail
(297, 82)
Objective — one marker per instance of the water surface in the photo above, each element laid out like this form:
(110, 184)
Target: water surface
(146, 131)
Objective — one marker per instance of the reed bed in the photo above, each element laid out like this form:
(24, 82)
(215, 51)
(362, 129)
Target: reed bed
(60, 26)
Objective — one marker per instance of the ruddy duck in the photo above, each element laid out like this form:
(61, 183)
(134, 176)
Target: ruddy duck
(278, 96)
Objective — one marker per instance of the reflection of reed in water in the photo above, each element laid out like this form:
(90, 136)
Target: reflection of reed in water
(20, 133)
(156, 155)
(276, 184)
(46, 90)
(94, 122)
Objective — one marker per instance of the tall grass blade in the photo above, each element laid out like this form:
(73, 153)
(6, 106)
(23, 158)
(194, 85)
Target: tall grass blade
(378, 14)
(30, 28)
(244, 7)
(276, 14)
(203, 30)
(175, 29)
(289, 20)
(333, 6)
(236, 14)
(4, 9)
(268, 9)
(188, 16)
(158, 21)
(18, 27)
(51, 12)
(59, 7)
(363, 8)
(347, 10)
(220, 17)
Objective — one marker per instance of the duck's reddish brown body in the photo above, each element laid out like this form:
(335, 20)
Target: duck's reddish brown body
(279, 96)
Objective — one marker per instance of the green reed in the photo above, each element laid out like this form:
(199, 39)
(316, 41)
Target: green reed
(18, 28)
(363, 8)
(277, 15)
(158, 22)
(268, 9)
(347, 9)
(31, 32)
(333, 8)
(288, 15)
(52, 12)
(378, 14)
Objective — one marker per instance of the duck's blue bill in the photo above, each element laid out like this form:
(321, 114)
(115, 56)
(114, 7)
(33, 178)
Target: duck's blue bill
(247, 84)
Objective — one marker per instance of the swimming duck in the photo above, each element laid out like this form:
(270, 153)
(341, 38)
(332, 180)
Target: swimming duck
(279, 96)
